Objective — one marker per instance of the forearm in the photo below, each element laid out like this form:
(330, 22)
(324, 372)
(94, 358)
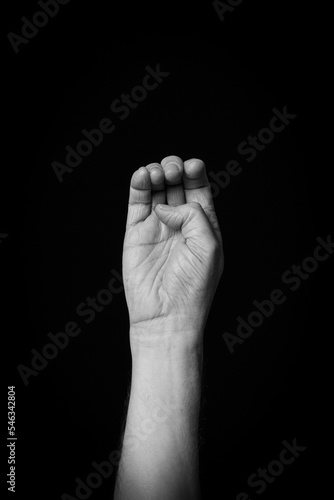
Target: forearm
(160, 444)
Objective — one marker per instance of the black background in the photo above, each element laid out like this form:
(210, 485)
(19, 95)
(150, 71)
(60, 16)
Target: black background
(65, 238)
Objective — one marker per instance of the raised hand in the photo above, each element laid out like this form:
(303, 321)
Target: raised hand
(172, 253)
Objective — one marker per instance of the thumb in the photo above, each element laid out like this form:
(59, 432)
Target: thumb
(190, 219)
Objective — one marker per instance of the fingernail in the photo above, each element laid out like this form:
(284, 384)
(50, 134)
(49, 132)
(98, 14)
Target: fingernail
(163, 207)
(172, 169)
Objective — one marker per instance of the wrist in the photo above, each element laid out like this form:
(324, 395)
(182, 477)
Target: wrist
(174, 379)
(176, 336)
(173, 369)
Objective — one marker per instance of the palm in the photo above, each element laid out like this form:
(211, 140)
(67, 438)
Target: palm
(158, 268)
(165, 267)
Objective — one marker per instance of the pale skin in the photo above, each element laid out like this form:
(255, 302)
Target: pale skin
(172, 264)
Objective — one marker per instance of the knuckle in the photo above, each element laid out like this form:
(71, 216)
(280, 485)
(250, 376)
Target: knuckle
(171, 159)
(197, 160)
(151, 166)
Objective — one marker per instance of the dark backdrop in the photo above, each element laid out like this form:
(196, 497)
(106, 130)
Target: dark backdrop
(61, 240)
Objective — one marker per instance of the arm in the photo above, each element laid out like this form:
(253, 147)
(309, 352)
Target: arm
(159, 455)
(172, 262)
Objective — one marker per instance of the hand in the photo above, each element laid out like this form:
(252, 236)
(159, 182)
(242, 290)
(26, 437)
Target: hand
(172, 255)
